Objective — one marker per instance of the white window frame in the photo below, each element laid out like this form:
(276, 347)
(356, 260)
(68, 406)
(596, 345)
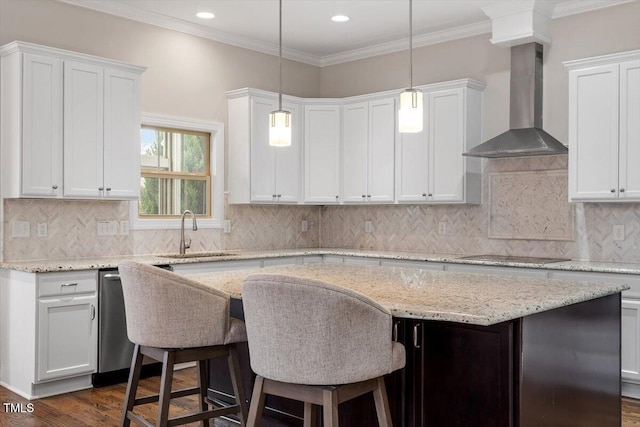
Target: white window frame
(216, 164)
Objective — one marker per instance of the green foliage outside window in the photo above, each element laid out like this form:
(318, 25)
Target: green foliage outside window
(175, 172)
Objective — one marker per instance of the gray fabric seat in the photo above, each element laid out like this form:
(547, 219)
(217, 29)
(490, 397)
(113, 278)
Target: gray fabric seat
(310, 333)
(174, 319)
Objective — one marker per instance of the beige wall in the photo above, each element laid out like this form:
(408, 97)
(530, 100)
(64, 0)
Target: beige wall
(605, 31)
(186, 75)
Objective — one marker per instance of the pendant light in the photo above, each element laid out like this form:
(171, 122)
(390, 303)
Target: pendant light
(280, 120)
(410, 114)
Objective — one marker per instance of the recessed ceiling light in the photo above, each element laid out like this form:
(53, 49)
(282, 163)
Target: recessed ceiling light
(340, 18)
(205, 15)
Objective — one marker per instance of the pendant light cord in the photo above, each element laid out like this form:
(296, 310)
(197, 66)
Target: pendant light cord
(280, 61)
(410, 44)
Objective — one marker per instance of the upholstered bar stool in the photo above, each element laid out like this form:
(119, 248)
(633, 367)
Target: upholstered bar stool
(173, 319)
(318, 343)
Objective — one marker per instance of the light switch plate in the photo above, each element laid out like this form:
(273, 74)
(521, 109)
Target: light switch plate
(124, 228)
(43, 229)
(305, 226)
(227, 226)
(368, 227)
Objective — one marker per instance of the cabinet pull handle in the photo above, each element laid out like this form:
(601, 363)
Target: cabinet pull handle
(55, 187)
(424, 194)
(93, 311)
(368, 196)
(613, 190)
(279, 195)
(415, 336)
(430, 195)
(100, 188)
(108, 188)
(622, 190)
(64, 285)
(111, 276)
(395, 330)
(363, 196)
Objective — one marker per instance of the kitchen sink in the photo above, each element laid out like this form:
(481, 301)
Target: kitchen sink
(197, 255)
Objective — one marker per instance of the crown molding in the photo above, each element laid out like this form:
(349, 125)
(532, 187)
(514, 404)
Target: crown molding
(159, 20)
(400, 45)
(563, 9)
(581, 6)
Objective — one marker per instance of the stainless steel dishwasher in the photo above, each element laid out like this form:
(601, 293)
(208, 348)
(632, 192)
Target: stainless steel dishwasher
(115, 351)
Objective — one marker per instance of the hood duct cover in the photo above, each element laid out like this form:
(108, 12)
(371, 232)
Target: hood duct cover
(526, 137)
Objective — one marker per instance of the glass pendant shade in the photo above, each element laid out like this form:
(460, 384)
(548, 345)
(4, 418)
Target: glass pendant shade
(410, 115)
(280, 128)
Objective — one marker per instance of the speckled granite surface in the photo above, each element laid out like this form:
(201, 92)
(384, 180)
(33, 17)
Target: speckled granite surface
(478, 299)
(41, 266)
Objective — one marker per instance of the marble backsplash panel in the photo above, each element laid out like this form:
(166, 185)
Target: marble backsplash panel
(72, 225)
(415, 228)
(72, 230)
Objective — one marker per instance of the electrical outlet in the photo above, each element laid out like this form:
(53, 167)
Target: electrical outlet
(618, 233)
(42, 229)
(305, 226)
(227, 226)
(442, 228)
(108, 228)
(368, 227)
(21, 229)
(124, 228)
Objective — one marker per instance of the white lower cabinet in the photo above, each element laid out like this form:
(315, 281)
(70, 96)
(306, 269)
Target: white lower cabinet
(631, 339)
(67, 336)
(51, 344)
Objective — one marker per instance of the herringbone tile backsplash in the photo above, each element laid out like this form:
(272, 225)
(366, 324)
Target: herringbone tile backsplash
(519, 225)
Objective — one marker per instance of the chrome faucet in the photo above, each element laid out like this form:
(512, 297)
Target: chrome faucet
(185, 244)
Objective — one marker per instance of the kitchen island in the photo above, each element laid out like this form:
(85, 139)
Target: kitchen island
(482, 350)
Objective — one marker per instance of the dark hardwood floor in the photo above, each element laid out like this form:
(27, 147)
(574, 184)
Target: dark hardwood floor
(101, 406)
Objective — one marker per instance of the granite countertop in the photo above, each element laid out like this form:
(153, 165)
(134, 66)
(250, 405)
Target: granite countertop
(51, 265)
(478, 299)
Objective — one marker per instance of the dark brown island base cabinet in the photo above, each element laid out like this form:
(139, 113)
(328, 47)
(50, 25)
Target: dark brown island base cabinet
(556, 368)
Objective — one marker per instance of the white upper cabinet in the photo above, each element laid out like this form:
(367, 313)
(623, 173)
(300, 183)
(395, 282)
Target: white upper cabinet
(83, 129)
(604, 130)
(368, 143)
(121, 134)
(260, 172)
(429, 165)
(70, 124)
(322, 153)
(31, 125)
(352, 151)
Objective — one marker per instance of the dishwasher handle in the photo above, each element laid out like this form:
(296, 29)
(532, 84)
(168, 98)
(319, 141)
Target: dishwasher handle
(111, 276)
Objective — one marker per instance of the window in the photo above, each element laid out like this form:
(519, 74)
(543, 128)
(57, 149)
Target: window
(182, 167)
(175, 172)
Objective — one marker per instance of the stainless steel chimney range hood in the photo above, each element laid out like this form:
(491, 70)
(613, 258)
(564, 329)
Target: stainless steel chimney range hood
(525, 136)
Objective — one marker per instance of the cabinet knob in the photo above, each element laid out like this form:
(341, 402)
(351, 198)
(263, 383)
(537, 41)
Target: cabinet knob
(622, 190)
(279, 195)
(100, 188)
(55, 187)
(273, 196)
(613, 190)
(336, 198)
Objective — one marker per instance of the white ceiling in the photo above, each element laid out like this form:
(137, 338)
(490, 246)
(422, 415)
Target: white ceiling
(376, 26)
